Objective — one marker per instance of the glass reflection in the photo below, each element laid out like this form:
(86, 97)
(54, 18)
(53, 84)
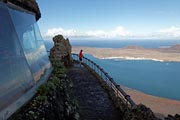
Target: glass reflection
(23, 57)
(15, 75)
(31, 42)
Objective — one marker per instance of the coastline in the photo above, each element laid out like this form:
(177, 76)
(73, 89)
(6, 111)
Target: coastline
(132, 53)
(160, 106)
(132, 58)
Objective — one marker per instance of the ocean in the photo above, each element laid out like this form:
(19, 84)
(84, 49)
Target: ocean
(155, 78)
(152, 77)
(123, 43)
(119, 43)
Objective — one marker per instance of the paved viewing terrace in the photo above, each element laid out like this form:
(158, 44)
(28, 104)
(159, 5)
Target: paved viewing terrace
(93, 100)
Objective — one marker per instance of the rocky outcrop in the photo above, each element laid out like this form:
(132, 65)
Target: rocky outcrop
(61, 50)
(139, 112)
(30, 5)
(170, 117)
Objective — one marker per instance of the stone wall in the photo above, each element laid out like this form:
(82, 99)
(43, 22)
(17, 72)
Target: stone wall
(61, 50)
(30, 5)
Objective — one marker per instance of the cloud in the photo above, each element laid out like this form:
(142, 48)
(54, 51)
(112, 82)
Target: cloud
(165, 33)
(115, 33)
(96, 33)
(170, 32)
(55, 31)
(119, 32)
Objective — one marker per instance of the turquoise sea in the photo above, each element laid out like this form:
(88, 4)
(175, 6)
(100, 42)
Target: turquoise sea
(151, 77)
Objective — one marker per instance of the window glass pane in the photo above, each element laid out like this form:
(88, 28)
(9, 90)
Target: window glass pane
(31, 41)
(42, 49)
(15, 75)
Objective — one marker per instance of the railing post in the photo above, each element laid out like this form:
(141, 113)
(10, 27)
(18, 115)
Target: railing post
(111, 82)
(105, 76)
(98, 70)
(117, 91)
(101, 72)
(92, 65)
(87, 62)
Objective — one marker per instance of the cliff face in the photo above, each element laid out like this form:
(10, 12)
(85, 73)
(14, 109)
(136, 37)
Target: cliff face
(61, 50)
(30, 5)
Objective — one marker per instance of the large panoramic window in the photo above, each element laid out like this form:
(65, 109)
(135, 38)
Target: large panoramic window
(23, 57)
(31, 41)
(13, 82)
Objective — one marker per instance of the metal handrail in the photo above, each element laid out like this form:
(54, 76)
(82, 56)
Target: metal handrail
(107, 78)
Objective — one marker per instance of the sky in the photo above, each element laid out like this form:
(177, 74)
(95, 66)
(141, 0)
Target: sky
(110, 19)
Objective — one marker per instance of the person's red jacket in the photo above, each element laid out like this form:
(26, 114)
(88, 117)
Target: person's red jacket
(80, 54)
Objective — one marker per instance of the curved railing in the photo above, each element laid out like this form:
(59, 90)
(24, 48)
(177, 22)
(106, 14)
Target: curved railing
(104, 76)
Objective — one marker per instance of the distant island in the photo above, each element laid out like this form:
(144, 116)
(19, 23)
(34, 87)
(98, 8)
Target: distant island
(171, 54)
(160, 106)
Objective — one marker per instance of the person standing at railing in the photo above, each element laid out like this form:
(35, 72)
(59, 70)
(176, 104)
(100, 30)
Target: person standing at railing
(80, 56)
